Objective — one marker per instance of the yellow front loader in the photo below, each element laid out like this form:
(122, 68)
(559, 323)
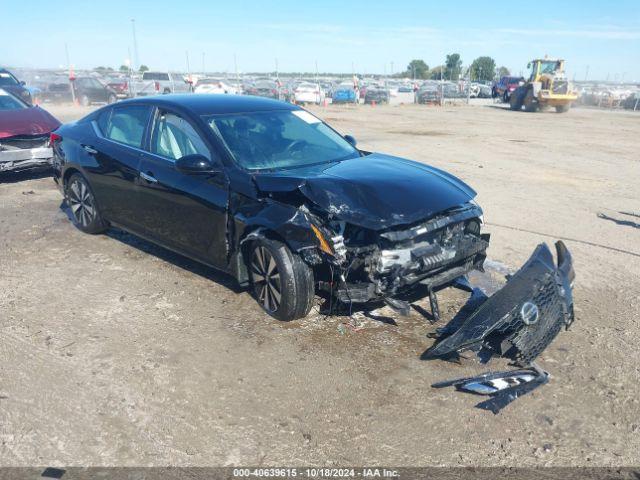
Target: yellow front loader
(547, 87)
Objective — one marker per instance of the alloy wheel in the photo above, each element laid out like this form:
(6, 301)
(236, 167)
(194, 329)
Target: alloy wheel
(266, 279)
(81, 203)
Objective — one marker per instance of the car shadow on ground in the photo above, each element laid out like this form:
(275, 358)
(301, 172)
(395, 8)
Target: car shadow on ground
(617, 221)
(168, 256)
(15, 177)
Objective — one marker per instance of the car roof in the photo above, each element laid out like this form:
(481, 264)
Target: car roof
(213, 104)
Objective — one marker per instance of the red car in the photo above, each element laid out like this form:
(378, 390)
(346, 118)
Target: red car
(25, 132)
(505, 86)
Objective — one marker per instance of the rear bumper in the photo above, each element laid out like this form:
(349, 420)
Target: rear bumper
(522, 319)
(25, 158)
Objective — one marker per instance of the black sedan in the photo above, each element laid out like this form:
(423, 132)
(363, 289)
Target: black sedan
(269, 193)
(266, 191)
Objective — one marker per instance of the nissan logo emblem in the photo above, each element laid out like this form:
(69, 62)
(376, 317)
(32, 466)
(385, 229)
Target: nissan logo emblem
(529, 313)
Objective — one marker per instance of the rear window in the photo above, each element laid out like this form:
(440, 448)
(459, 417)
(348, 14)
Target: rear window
(124, 125)
(9, 102)
(7, 79)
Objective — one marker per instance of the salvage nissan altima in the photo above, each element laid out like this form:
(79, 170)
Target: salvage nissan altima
(271, 194)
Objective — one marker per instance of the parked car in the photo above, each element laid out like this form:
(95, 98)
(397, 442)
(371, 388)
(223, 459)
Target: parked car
(9, 83)
(88, 90)
(429, 93)
(345, 93)
(507, 84)
(120, 86)
(632, 102)
(264, 88)
(214, 85)
(24, 134)
(377, 95)
(154, 83)
(484, 91)
(309, 93)
(269, 193)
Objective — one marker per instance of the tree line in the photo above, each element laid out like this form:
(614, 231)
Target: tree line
(482, 69)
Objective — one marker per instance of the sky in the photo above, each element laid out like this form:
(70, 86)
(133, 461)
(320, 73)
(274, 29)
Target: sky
(599, 39)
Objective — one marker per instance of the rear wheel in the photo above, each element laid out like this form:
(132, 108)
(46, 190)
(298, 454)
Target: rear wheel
(112, 99)
(281, 282)
(506, 97)
(82, 203)
(84, 101)
(563, 108)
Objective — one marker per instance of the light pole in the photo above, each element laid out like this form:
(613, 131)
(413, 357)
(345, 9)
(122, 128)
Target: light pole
(136, 64)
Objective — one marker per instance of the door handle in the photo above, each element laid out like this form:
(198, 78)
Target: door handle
(89, 149)
(148, 178)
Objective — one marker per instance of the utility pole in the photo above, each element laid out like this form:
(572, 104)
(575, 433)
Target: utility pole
(203, 64)
(586, 74)
(277, 77)
(73, 93)
(392, 69)
(136, 65)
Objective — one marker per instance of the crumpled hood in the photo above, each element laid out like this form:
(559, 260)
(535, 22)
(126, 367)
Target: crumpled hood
(27, 121)
(375, 191)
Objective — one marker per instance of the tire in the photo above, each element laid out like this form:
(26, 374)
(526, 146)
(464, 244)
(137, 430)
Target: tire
(530, 101)
(506, 97)
(563, 108)
(82, 203)
(280, 281)
(84, 101)
(514, 102)
(112, 99)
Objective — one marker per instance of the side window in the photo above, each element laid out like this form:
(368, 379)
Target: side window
(125, 124)
(174, 137)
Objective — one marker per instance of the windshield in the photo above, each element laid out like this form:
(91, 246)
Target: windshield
(7, 79)
(279, 139)
(9, 102)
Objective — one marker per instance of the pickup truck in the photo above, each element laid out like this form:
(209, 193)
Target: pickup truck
(153, 83)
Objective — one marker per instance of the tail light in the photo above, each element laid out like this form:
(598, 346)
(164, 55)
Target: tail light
(157, 86)
(53, 138)
(125, 86)
(274, 91)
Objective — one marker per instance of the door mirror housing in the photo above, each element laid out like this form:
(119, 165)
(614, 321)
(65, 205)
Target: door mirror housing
(23, 83)
(194, 164)
(351, 140)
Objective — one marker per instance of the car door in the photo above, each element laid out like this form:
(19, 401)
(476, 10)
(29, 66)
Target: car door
(98, 92)
(186, 212)
(120, 134)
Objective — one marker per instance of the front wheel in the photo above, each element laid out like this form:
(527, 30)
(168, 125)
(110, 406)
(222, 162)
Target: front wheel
(82, 203)
(563, 108)
(514, 101)
(112, 99)
(84, 101)
(281, 282)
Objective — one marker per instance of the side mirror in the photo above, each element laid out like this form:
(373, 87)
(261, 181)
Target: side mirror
(351, 140)
(194, 164)
(23, 83)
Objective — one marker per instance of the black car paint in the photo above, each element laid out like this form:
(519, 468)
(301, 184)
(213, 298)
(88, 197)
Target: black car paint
(206, 216)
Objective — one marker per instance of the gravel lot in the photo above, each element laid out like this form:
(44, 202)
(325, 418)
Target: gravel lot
(117, 352)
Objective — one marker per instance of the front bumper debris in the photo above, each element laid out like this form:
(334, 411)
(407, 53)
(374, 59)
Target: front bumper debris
(502, 387)
(518, 322)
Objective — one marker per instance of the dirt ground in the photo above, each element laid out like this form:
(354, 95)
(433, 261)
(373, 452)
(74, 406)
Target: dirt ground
(117, 352)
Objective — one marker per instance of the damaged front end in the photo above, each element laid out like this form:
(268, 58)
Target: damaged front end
(383, 265)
